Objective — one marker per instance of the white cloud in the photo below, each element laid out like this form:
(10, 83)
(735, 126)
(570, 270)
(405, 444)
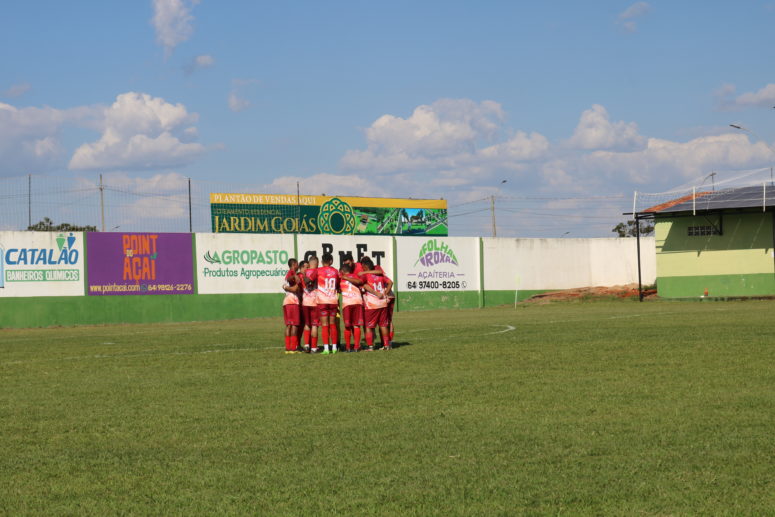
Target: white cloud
(198, 63)
(324, 183)
(450, 143)
(172, 21)
(141, 132)
(596, 131)
(764, 97)
(30, 136)
(17, 90)
(237, 101)
(627, 18)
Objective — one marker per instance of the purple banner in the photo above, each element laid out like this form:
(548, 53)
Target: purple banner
(139, 263)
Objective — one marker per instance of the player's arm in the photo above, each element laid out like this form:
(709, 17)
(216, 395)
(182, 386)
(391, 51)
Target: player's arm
(353, 279)
(370, 289)
(389, 286)
(291, 288)
(377, 272)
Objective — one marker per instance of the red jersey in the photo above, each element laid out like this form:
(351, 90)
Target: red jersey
(351, 293)
(291, 279)
(328, 279)
(379, 284)
(310, 288)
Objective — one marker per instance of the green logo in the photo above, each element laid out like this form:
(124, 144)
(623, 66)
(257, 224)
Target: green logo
(336, 217)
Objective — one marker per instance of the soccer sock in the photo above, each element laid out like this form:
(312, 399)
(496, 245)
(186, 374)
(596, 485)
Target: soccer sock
(357, 338)
(294, 342)
(334, 333)
(384, 334)
(314, 341)
(370, 338)
(347, 334)
(287, 343)
(392, 333)
(307, 334)
(324, 328)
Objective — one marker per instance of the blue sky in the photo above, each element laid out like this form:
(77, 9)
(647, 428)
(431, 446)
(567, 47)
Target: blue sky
(436, 99)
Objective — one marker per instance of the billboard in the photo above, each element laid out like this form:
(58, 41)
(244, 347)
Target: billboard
(268, 213)
(229, 263)
(139, 263)
(380, 249)
(438, 264)
(41, 264)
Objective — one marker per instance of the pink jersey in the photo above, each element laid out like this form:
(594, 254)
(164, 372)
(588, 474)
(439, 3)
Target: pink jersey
(328, 278)
(351, 293)
(379, 284)
(291, 278)
(310, 298)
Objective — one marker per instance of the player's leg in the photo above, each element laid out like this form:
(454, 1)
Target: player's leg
(333, 329)
(371, 324)
(383, 324)
(391, 329)
(324, 327)
(347, 323)
(357, 324)
(385, 338)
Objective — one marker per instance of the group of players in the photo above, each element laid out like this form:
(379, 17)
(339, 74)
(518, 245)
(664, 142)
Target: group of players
(311, 304)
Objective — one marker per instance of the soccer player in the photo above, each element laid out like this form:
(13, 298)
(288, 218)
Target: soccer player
(328, 303)
(291, 313)
(376, 287)
(352, 306)
(309, 305)
(391, 301)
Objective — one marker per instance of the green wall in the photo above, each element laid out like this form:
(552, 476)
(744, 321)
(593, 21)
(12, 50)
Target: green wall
(737, 263)
(94, 310)
(416, 301)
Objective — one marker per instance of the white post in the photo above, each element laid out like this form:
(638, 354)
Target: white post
(694, 200)
(764, 196)
(634, 202)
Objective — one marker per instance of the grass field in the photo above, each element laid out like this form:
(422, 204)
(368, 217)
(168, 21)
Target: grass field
(614, 408)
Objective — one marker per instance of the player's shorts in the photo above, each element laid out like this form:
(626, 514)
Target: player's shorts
(328, 309)
(311, 315)
(377, 318)
(291, 314)
(390, 307)
(352, 315)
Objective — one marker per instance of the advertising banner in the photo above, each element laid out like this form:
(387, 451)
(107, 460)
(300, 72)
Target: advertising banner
(229, 263)
(438, 264)
(41, 264)
(268, 213)
(380, 249)
(139, 263)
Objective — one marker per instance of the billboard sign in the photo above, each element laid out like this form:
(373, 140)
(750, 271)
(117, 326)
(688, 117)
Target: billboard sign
(380, 249)
(139, 263)
(268, 213)
(438, 264)
(41, 264)
(229, 263)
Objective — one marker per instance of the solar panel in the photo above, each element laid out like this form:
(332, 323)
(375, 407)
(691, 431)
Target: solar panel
(744, 197)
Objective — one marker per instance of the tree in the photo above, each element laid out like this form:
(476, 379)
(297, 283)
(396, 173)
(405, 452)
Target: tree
(47, 225)
(628, 229)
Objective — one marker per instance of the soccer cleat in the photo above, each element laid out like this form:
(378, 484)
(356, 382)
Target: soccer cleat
(325, 352)
(370, 348)
(387, 347)
(334, 351)
(306, 348)
(313, 350)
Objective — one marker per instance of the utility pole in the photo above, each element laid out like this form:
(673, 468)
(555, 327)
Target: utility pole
(190, 219)
(492, 213)
(102, 203)
(298, 207)
(29, 201)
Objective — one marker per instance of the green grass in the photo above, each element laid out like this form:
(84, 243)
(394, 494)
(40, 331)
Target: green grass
(614, 408)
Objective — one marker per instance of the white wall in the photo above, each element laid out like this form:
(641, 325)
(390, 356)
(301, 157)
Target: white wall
(566, 263)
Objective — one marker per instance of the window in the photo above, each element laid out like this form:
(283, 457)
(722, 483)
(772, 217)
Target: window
(702, 231)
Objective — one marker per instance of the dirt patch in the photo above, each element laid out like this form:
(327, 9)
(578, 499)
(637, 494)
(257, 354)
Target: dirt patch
(591, 293)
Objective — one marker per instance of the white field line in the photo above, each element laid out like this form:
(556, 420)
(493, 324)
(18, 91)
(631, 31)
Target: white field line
(508, 328)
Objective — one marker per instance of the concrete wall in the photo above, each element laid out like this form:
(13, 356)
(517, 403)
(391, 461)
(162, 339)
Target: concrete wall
(537, 265)
(438, 272)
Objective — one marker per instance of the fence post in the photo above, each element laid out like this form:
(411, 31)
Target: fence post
(190, 219)
(29, 202)
(395, 273)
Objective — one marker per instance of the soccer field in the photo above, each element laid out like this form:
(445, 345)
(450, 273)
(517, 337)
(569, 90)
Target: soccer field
(590, 408)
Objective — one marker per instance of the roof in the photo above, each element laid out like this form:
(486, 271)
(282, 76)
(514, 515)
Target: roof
(743, 197)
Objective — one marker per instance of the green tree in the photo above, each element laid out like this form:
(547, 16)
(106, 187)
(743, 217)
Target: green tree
(628, 229)
(47, 225)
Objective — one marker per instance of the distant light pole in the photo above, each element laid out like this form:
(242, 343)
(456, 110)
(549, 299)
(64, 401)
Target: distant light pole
(492, 209)
(754, 133)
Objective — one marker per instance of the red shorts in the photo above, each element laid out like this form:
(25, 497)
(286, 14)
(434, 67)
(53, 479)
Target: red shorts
(311, 315)
(328, 309)
(352, 315)
(377, 318)
(292, 314)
